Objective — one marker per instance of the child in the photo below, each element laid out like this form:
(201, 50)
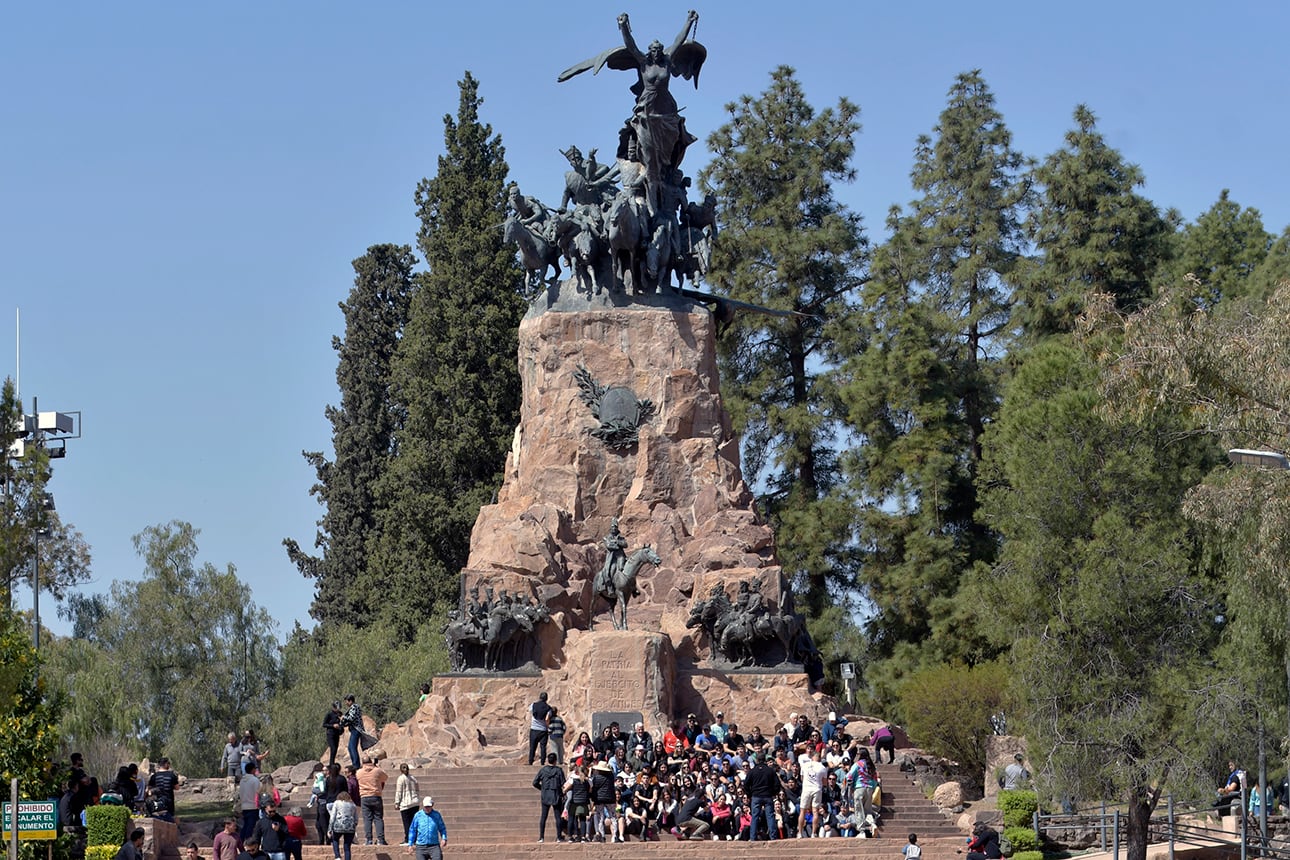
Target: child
(912, 851)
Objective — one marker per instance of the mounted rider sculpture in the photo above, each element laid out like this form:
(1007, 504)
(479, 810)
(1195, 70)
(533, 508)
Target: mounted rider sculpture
(616, 580)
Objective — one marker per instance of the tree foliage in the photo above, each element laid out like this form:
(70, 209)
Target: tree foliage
(948, 709)
(1220, 251)
(787, 243)
(198, 656)
(374, 664)
(29, 740)
(922, 391)
(64, 554)
(1227, 367)
(1096, 234)
(363, 430)
(1098, 587)
(454, 377)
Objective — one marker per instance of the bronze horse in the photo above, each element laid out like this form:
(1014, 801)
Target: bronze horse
(620, 587)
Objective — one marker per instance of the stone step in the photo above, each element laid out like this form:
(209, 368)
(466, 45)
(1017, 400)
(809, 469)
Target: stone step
(666, 849)
(497, 804)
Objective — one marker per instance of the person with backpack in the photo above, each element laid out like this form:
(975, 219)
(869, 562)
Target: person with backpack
(550, 781)
(912, 851)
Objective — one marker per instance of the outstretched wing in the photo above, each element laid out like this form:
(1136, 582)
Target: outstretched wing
(687, 60)
(619, 59)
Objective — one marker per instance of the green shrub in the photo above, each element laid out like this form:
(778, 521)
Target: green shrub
(1020, 855)
(1023, 840)
(1018, 808)
(106, 825)
(101, 852)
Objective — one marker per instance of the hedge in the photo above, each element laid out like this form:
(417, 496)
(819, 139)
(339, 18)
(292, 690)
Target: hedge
(1023, 839)
(1018, 808)
(101, 852)
(1020, 855)
(106, 825)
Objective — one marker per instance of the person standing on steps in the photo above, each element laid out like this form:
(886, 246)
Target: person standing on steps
(353, 720)
(428, 834)
(407, 797)
(539, 731)
(550, 781)
(762, 786)
(556, 729)
(332, 729)
(371, 782)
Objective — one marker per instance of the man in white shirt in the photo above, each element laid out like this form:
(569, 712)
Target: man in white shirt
(813, 773)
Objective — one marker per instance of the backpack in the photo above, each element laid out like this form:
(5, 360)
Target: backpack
(1005, 846)
(344, 818)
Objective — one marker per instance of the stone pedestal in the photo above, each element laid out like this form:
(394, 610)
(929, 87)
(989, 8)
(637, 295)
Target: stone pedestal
(678, 489)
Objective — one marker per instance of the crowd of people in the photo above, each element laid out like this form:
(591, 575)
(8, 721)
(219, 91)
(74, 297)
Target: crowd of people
(707, 781)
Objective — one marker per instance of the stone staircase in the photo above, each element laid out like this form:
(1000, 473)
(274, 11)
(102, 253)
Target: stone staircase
(493, 811)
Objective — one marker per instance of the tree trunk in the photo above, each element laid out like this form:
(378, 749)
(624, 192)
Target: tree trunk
(1135, 834)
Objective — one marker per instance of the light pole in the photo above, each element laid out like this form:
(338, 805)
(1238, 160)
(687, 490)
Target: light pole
(1276, 461)
(42, 530)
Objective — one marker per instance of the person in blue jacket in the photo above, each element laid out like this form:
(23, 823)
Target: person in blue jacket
(428, 833)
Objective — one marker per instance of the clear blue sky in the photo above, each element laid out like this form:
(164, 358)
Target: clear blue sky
(184, 185)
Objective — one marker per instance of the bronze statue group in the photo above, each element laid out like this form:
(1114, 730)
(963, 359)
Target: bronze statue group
(630, 225)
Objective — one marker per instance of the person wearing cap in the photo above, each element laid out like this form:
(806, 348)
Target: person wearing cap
(639, 758)
(830, 727)
(692, 729)
(428, 834)
(719, 728)
(332, 731)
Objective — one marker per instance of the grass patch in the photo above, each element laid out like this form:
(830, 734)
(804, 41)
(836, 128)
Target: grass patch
(203, 809)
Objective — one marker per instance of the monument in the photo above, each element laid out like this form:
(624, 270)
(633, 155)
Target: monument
(623, 566)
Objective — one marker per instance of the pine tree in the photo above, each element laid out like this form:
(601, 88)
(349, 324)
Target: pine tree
(363, 428)
(787, 243)
(921, 393)
(455, 378)
(1097, 594)
(1095, 232)
(1221, 250)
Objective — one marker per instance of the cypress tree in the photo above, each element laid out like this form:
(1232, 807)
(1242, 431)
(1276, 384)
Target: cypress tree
(455, 380)
(363, 428)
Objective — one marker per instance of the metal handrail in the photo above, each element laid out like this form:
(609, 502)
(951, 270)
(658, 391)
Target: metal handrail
(1173, 825)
